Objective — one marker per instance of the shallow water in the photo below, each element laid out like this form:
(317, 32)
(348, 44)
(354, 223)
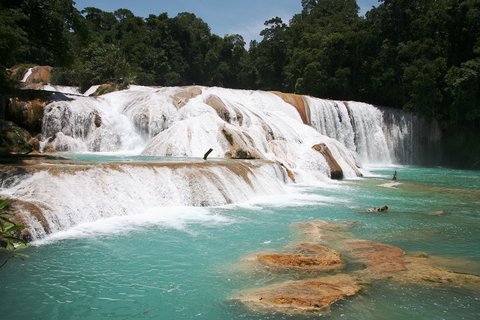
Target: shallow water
(183, 263)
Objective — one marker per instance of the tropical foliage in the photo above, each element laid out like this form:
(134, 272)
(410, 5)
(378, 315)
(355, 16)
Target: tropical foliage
(9, 230)
(420, 55)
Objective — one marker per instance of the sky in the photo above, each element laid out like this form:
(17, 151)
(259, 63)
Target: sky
(244, 17)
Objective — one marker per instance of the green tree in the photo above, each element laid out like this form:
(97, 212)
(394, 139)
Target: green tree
(463, 87)
(270, 55)
(102, 63)
(48, 25)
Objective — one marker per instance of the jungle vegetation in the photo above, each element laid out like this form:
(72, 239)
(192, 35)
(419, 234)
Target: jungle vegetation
(419, 55)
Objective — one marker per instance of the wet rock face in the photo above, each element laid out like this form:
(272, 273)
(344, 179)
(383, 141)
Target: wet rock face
(336, 171)
(301, 296)
(14, 139)
(182, 97)
(38, 76)
(298, 102)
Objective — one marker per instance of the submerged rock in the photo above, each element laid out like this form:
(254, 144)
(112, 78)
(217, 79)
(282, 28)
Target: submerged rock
(438, 213)
(294, 297)
(325, 232)
(381, 261)
(379, 258)
(306, 257)
(369, 262)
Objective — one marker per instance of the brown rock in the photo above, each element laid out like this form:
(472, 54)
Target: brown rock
(108, 88)
(290, 173)
(240, 145)
(40, 75)
(217, 104)
(294, 297)
(378, 257)
(336, 171)
(298, 102)
(431, 271)
(308, 257)
(182, 97)
(26, 212)
(98, 120)
(27, 113)
(14, 138)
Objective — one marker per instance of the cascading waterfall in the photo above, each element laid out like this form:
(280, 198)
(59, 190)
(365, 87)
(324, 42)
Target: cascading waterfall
(89, 124)
(75, 194)
(378, 135)
(188, 121)
(306, 138)
(358, 126)
(410, 138)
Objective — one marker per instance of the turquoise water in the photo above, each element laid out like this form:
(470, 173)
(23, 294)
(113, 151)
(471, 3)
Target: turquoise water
(189, 269)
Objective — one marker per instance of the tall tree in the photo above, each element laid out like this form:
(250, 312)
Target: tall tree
(48, 25)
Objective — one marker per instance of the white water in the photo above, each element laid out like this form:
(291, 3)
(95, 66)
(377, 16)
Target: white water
(62, 89)
(76, 195)
(26, 75)
(380, 136)
(71, 126)
(186, 122)
(148, 121)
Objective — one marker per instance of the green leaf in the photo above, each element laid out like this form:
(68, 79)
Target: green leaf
(5, 203)
(14, 227)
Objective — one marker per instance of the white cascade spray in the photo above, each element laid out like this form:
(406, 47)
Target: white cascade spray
(89, 124)
(378, 135)
(72, 195)
(188, 121)
(358, 126)
(411, 139)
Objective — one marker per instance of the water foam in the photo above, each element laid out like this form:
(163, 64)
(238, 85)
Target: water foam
(185, 122)
(74, 195)
(177, 218)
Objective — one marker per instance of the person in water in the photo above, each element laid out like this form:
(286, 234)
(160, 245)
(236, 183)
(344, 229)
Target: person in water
(394, 178)
(382, 209)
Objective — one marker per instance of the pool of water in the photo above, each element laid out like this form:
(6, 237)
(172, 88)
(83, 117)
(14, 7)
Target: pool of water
(183, 263)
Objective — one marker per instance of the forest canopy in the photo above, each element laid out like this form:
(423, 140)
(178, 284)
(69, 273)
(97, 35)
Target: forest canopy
(420, 55)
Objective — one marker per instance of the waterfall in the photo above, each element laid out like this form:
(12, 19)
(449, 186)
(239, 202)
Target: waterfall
(378, 135)
(187, 121)
(61, 197)
(411, 139)
(293, 138)
(27, 74)
(89, 124)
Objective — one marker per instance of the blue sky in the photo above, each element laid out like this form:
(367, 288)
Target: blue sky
(245, 17)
